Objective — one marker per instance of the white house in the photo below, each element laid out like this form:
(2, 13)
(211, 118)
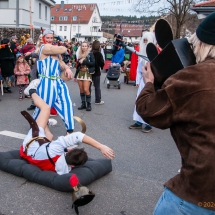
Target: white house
(25, 13)
(76, 21)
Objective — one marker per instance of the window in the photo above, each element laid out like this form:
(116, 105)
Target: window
(66, 9)
(94, 19)
(64, 37)
(40, 10)
(61, 18)
(74, 18)
(70, 9)
(45, 12)
(79, 9)
(57, 9)
(52, 17)
(65, 28)
(60, 28)
(74, 28)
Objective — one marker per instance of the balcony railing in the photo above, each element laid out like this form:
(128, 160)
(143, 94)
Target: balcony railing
(98, 24)
(98, 34)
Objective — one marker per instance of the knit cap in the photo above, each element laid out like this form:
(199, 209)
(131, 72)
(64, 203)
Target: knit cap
(206, 30)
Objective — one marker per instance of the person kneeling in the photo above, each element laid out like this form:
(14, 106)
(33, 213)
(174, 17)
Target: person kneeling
(39, 148)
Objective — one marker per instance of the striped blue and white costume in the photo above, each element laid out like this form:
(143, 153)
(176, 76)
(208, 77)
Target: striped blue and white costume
(53, 90)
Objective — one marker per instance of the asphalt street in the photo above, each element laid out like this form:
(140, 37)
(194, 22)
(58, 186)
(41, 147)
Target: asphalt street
(143, 162)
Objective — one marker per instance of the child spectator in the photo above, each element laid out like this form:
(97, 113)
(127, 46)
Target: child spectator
(21, 71)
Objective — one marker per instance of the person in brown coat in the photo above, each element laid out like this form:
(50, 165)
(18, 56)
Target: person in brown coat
(186, 105)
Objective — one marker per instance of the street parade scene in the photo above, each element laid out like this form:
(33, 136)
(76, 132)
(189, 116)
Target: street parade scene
(106, 107)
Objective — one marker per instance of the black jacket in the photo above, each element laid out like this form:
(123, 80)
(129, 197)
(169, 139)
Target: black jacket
(13, 48)
(6, 62)
(99, 63)
(89, 62)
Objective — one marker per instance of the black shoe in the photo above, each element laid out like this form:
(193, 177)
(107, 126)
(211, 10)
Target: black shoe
(8, 90)
(88, 106)
(83, 106)
(5, 90)
(69, 132)
(135, 126)
(32, 107)
(147, 129)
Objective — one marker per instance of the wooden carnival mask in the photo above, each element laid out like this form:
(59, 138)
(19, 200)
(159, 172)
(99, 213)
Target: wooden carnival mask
(175, 55)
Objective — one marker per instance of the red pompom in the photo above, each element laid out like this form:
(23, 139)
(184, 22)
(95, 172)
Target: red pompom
(73, 180)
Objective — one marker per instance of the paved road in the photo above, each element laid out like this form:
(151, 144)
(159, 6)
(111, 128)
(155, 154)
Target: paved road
(143, 161)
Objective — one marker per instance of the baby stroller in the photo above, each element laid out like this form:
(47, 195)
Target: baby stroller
(113, 75)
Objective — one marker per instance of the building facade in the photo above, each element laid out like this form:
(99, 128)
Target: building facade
(77, 22)
(203, 9)
(26, 13)
(131, 33)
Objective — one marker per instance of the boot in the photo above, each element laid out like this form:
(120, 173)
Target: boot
(83, 106)
(83, 101)
(88, 106)
(88, 99)
(8, 90)
(5, 90)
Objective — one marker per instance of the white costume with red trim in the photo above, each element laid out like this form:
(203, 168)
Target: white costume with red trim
(37, 155)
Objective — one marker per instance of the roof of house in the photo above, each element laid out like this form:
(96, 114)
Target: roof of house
(210, 3)
(82, 11)
(129, 30)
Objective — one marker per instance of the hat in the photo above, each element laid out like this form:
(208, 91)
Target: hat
(29, 40)
(14, 37)
(96, 45)
(206, 30)
(47, 31)
(5, 41)
(19, 55)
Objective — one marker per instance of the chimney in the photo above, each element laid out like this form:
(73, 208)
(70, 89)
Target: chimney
(62, 4)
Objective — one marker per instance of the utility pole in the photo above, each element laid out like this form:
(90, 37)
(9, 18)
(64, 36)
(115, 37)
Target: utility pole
(92, 32)
(71, 30)
(31, 27)
(17, 13)
(78, 26)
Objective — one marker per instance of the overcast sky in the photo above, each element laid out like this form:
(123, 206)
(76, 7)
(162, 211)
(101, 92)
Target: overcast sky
(124, 9)
(82, 1)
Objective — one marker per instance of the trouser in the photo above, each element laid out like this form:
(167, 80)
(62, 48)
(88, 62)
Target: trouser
(171, 204)
(56, 94)
(140, 123)
(22, 88)
(96, 82)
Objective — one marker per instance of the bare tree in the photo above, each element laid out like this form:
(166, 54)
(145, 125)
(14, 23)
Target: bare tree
(177, 9)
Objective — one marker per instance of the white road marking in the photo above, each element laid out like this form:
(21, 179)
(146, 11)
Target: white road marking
(13, 134)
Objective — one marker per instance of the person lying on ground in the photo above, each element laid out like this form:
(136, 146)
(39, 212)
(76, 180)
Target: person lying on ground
(41, 150)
